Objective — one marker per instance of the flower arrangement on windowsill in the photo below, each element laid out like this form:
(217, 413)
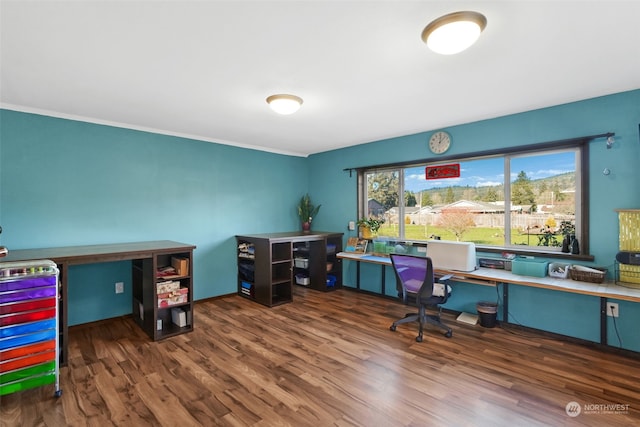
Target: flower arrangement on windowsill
(370, 226)
(306, 212)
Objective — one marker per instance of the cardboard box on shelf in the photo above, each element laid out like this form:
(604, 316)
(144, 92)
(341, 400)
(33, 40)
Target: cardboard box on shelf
(181, 265)
(164, 287)
(179, 296)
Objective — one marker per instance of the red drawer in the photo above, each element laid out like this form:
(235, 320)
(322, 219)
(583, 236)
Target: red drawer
(17, 307)
(29, 316)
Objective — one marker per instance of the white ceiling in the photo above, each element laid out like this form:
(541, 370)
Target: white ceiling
(203, 69)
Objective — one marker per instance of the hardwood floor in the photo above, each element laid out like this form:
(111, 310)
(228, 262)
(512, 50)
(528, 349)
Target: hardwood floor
(327, 360)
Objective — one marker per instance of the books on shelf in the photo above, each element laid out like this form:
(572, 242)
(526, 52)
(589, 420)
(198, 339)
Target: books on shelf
(180, 268)
(166, 272)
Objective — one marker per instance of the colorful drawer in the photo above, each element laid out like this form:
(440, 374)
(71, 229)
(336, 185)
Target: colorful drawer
(29, 347)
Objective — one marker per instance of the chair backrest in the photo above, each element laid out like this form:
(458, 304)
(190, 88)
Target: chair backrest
(414, 274)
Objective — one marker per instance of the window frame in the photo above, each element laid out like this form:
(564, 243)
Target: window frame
(582, 186)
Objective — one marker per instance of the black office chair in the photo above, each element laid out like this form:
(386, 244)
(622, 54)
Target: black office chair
(416, 284)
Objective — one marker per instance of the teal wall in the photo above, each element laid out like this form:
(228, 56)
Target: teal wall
(559, 312)
(65, 182)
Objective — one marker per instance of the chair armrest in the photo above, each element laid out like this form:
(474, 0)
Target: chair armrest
(446, 288)
(445, 278)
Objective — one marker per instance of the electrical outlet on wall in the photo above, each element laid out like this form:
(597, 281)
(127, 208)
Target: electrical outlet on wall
(612, 309)
(119, 287)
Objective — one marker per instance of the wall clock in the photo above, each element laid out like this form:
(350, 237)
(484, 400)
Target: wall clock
(439, 142)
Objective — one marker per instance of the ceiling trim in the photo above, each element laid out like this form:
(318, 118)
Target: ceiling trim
(58, 115)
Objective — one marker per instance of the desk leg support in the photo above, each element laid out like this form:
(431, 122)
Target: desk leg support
(603, 321)
(358, 275)
(505, 302)
(63, 305)
(384, 291)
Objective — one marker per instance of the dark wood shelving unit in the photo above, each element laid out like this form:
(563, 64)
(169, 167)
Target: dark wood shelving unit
(144, 257)
(157, 321)
(269, 265)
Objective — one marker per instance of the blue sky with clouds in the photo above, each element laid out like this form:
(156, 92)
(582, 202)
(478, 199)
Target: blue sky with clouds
(490, 171)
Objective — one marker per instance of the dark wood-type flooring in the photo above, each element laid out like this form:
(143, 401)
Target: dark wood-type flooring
(327, 360)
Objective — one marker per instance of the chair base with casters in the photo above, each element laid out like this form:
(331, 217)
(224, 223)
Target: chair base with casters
(423, 318)
(415, 281)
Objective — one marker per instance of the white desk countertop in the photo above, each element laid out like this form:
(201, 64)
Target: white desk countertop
(492, 276)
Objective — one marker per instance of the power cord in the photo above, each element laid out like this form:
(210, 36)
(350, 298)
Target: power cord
(615, 324)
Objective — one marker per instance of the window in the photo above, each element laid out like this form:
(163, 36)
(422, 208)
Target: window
(533, 209)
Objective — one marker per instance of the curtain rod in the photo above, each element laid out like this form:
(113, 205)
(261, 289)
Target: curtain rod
(549, 144)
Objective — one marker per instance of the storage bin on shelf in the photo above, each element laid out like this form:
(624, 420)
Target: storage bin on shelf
(301, 279)
(559, 270)
(529, 267)
(588, 274)
(247, 288)
(301, 262)
(331, 280)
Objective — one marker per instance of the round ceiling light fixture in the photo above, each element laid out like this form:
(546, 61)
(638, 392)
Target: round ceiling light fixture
(454, 32)
(284, 104)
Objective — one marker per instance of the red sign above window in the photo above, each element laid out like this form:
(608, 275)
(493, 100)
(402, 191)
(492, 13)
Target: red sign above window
(443, 171)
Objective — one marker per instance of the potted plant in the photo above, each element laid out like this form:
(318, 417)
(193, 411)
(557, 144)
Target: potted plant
(306, 212)
(370, 226)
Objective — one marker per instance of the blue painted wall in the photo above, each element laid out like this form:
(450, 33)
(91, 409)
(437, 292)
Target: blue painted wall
(569, 314)
(64, 182)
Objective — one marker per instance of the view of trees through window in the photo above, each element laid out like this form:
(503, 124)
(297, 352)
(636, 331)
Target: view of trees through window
(535, 207)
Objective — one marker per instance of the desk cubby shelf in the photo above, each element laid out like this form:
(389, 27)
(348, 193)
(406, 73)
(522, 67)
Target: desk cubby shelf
(145, 258)
(152, 316)
(269, 263)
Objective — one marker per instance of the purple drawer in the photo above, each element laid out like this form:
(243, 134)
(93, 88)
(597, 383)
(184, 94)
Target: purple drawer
(27, 282)
(27, 294)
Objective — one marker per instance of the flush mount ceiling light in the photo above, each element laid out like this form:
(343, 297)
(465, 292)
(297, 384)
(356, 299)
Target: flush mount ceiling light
(284, 104)
(454, 32)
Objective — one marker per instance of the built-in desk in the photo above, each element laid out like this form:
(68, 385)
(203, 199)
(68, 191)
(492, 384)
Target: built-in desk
(493, 277)
(91, 254)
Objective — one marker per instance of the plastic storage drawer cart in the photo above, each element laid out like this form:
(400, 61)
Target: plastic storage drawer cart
(29, 348)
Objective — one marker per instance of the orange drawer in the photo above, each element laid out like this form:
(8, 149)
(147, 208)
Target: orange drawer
(34, 359)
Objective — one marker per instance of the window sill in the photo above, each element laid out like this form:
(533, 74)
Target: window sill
(517, 251)
(533, 252)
